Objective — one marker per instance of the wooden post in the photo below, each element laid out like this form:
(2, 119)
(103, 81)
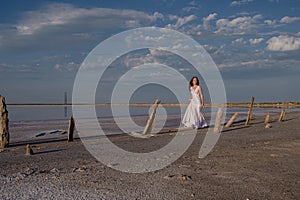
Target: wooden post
(29, 151)
(4, 132)
(71, 129)
(218, 120)
(229, 123)
(282, 114)
(250, 112)
(267, 119)
(150, 123)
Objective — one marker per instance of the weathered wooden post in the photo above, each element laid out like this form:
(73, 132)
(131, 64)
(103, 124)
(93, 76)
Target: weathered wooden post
(150, 123)
(229, 123)
(250, 112)
(267, 119)
(71, 129)
(218, 120)
(29, 151)
(4, 132)
(282, 114)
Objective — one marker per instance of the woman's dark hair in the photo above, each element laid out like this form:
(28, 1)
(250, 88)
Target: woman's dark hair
(191, 81)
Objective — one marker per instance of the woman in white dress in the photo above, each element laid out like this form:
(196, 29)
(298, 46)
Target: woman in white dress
(193, 116)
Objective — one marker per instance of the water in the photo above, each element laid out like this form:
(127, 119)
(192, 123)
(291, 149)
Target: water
(28, 121)
(40, 113)
(25, 113)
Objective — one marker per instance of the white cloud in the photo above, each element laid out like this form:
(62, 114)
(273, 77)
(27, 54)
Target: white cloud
(172, 17)
(57, 67)
(255, 41)
(193, 30)
(57, 14)
(184, 69)
(70, 66)
(248, 63)
(209, 48)
(287, 19)
(69, 26)
(134, 61)
(239, 25)
(239, 40)
(238, 3)
(139, 37)
(189, 9)
(192, 6)
(52, 14)
(154, 56)
(207, 19)
(182, 21)
(193, 3)
(270, 22)
(158, 52)
(157, 15)
(283, 43)
(284, 20)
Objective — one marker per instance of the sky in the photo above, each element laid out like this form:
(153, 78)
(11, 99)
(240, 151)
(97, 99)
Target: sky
(254, 43)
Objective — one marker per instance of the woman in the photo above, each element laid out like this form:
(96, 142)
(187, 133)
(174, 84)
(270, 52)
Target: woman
(193, 116)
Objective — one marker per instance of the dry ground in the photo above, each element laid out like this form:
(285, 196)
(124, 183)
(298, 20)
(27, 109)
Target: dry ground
(247, 163)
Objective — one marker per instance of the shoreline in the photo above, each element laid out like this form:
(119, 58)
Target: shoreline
(259, 111)
(29, 129)
(279, 104)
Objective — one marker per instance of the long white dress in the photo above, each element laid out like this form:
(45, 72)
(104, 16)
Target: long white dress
(193, 116)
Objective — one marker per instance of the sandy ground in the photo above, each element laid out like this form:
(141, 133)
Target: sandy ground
(248, 162)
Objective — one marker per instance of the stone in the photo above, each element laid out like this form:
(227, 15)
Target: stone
(29, 171)
(55, 170)
(182, 177)
(268, 125)
(80, 169)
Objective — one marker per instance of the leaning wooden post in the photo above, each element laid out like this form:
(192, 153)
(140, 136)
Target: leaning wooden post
(282, 114)
(4, 133)
(229, 123)
(250, 112)
(150, 123)
(267, 119)
(29, 151)
(218, 120)
(71, 129)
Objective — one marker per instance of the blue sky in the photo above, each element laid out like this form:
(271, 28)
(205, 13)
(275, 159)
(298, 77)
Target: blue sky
(254, 43)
